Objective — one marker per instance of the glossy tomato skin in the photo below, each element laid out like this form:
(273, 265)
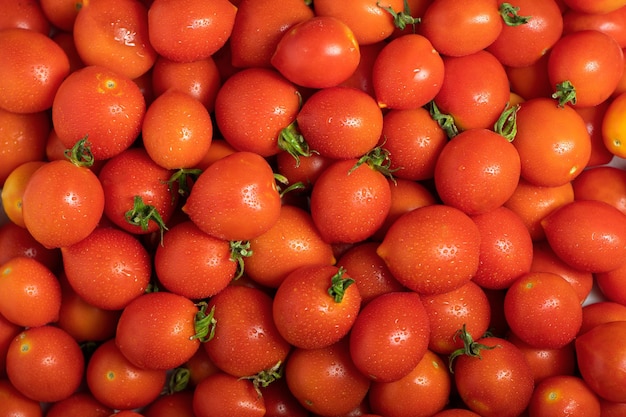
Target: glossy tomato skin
(80, 403)
(246, 339)
(280, 402)
(15, 403)
(563, 394)
(222, 394)
(407, 73)
(605, 183)
(13, 190)
(390, 336)
(304, 312)
(306, 51)
(601, 6)
(612, 23)
(613, 128)
(545, 362)
(601, 357)
(17, 241)
(601, 312)
(238, 186)
(177, 404)
(27, 15)
(62, 204)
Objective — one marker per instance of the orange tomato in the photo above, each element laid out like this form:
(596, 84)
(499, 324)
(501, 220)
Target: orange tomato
(614, 126)
(13, 190)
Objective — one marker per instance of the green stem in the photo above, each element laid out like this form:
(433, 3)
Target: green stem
(204, 323)
(510, 15)
(506, 125)
(266, 377)
(141, 214)
(379, 160)
(184, 177)
(239, 249)
(470, 347)
(565, 93)
(403, 18)
(80, 154)
(445, 121)
(179, 380)
(339, 285)
(291, 141)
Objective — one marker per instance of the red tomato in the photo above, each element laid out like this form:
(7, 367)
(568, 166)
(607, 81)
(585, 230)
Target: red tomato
(308, 49)
(30, 294)
(114, 34)
(600, 6)
(601, 312)
(253, 106)
(238, 186)
(62, 13)
(456, 412)
(191, 31)
(26, 15)
(13, 190)
(17, 241)
(601, 355)
(613, 126)
(45, 363)
(594, 118)
(119, 384)
(222, 394)
(158, 341)
(475, 90)
(604, 183)
(546, 362)
(589, 235)
(83, 404)
(62, 203)
(315, 306)
(325, 380)
(32, 69)
(15, 403)
(112, 258)
(177, 404)
(543, 310)
(611, 284)
(246, 340)
(432, 249)
(349, 202)
(562, 394)
(390, 336)
(407, 73)
(531, 81)
(425, 390)
(577, 59)
(8, 331)
(612, 23)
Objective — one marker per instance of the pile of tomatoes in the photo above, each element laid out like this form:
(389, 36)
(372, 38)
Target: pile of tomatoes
(335, 208)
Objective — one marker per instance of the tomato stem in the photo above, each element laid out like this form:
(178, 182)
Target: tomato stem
(510, 15)
(565, 93)
(184, 177)
(339, 285)
(403, 18)
(281, 179)
(291, 141)
(266, 377)
(470, 347)
(506, 125)
(80, 154)
(445, 121)
(379, 160)
(179, 380)
(141, 214)
(204, 323)
(239, 249)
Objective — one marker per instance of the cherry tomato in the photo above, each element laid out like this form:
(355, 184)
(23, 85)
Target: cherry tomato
(280, 402)
(8, 331)
(13, 190)
(563, 394)
(14, 402)
(17, 241)
(26, 15)
(601, 312)
(601, 6)
(222, 394)
(613, 127)
(531, 81)
(80, 403)
(593, 118)
(176, 404)
(612, 23)
(546, 362)
(610, 284)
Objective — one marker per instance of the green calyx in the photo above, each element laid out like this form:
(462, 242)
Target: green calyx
(470, 347)
(445, 121)
(204, 323)
(239, 249)
(339, 285)
(565, 93)
(402, 18)
(184, 178)
(80, 154)
(178, 381)
(141, 214)
(506, 125)
(510, 15)
(291, 141)
(377, 159)
(266, 377)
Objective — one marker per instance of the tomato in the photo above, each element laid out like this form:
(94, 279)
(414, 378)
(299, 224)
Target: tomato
(543, 310)
(158, 341)
(26, 15)
(308, 49)
(456, 412)
(177, 404)
(33, 68)
(119, 384)
(362, 78)
(114, 34)
(108, 269)
(545, 260)
(253, 106)
(475, 90)
(594, 117)
(324, 380)
(189, 32)
(601, 356)
(17, 241)
(611, 409)
(447, 312)
(15, 403)
(432, 249)
(604, 183)
(45, 363)
(390, 336)
(350, 201)
(62, 203)
(80, 403)
(115, 105)
(613, 127)
(612, 23)
(222, 394)
(531, 81)
(546, 362)
(486, 378)
(596, 242)
(523, 45)
(552, 141)
(177, 130)
(506, 248)
(316, 306)
(563, 394)
(601, 312)
(259, 26)
(476, 26)
(407, 73)
(477, 171)
(13, 190)
(610, 284)
(24, 140)
(424, 391)
(340, 122)
(601, 6)
(577, 59)
(61, 13)
(246, 340)
(292, 242)
(8, 331)
(30, 294)
(238, 186)
(280, 402)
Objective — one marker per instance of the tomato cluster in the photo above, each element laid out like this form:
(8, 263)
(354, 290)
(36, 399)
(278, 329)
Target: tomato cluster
(329, 208)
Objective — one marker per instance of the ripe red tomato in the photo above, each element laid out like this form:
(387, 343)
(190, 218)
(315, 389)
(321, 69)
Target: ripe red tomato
(280, 402)
(33, 67)
(15, 403)
(610, 284)
(45, 363)
(407, 73)
(600, 6)
(8, 331)
(191, 31)
(315, 306)
(605, 183)
(17, 241)
(613, 126)
(563, 394)
(158, 341)
(432, 249)
(27, 15)
(308, 49)
(601, 356)
(176, 404)
(612, 23)
(222, 394)
(13, 190)
(601, 312)
(238, 186)
(83, 404)
(390, 336)
(546, 362)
